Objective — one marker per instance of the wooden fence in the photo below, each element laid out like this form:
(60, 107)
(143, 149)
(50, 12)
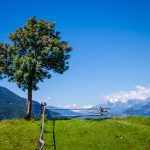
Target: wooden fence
(102, 112)
(41, 141)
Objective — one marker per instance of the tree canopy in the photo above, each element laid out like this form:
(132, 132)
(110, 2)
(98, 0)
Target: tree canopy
(33, 52)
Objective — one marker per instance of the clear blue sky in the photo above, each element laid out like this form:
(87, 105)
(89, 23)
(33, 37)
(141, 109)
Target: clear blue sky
(110, 40)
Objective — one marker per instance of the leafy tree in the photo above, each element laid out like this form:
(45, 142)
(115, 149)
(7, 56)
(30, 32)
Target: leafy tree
(35, 50)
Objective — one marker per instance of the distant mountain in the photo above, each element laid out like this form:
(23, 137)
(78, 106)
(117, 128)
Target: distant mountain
(134, 107)
(62, 114)
(139, 109)
(14, 106)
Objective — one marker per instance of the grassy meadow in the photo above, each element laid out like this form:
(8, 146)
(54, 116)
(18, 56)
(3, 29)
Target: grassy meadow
(132, 133)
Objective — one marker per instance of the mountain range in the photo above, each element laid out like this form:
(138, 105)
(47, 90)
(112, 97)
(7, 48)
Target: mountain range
(136, 107)
(14, 106)
(132, 107)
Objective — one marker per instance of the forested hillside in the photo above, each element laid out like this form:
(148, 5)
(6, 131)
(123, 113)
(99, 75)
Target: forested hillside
(14, 106)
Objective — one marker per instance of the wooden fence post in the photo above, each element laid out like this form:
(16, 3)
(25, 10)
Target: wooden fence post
(41, 141)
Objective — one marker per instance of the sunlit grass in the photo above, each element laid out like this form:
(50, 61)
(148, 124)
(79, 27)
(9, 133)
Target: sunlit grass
(132, 133)
(18, 134)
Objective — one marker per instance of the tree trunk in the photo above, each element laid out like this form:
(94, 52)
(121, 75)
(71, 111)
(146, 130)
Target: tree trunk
(29, 101)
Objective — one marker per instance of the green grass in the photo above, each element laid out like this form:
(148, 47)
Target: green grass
(18, 134)
(132, 133)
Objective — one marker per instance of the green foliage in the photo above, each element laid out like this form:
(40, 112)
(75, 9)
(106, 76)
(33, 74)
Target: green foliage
(131, 133)
(6, 59)
(36, 50)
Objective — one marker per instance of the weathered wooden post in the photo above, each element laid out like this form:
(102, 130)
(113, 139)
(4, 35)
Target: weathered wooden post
(41, 141)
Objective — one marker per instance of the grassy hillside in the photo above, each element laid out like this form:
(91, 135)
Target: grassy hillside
(132, 133)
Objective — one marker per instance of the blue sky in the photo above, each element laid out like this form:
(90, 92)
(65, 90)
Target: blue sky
(110, 40)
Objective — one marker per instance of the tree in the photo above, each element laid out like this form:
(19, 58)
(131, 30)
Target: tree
(35, 50)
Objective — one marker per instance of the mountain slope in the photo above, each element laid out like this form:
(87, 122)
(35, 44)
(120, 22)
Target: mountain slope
(14, 106)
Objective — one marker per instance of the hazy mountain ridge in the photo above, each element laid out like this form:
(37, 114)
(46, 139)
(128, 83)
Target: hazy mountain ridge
(135, 107)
